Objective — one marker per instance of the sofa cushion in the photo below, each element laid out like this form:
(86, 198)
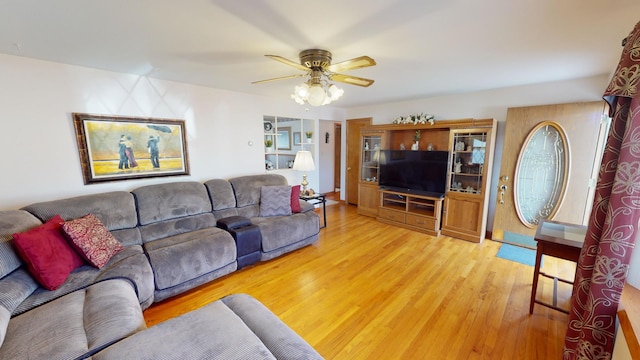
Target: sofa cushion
(211, 332)
(183, 257)
(115, 209)
(11, 222)
(92, 238)
(281, 231)
(171, 227)
(14, 288)
(5, 316)
(247, 188)
(281, 341)
(130, 264)
(275, 200)
(49, 257)
(170, 201)
(75, 325)
(221, 194)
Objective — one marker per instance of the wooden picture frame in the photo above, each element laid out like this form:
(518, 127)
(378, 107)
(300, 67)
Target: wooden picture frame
(297, 138)
(283, 138)
(114, 148)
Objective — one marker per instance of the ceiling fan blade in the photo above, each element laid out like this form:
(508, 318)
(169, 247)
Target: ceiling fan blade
(355, 63)
(288, 62)
(352, 80)
(279, 78)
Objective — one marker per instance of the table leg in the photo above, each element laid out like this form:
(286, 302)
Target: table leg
(536, 274)
(324, 211)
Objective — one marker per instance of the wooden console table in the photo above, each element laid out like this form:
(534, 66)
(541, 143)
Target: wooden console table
(559, 240)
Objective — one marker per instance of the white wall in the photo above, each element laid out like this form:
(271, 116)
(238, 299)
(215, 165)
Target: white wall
(41, 160)
(327, 153)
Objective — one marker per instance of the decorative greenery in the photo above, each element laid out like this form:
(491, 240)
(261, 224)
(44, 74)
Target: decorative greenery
(308, 134)
(417, 136)
(268, 143)
(415, 119)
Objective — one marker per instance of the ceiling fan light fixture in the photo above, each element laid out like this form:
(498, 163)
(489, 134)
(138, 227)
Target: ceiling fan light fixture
(302, 91)
(335, 92)
(318, 89)
(317, 95)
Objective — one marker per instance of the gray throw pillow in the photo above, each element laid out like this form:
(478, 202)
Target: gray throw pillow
(275, 200)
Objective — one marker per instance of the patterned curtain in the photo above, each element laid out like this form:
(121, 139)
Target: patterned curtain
(604, 259)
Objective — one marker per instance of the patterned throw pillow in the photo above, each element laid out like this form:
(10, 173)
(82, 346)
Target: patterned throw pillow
(275, 200)
(92, 239)
(47, 254)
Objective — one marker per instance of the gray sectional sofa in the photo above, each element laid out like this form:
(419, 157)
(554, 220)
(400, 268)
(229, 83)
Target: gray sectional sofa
(171, 244)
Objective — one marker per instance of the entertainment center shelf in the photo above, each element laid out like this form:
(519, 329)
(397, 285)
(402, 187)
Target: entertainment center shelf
(462, 213)
(417, 212)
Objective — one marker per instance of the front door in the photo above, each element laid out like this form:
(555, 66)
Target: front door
(584, 128)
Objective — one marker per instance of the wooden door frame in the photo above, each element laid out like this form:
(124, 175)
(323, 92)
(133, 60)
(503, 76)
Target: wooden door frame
(353, 149)
(337, 154)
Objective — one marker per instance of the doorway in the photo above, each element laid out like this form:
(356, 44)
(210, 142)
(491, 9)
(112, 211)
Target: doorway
(337, 154)
(585, 131)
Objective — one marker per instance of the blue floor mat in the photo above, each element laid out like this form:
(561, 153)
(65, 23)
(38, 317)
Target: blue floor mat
(519, 239)
(517, 254)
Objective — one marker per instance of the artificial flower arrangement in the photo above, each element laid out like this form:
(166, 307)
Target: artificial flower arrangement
(415, 119)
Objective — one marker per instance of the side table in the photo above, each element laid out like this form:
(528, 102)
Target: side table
(318, 199)
(559, 240)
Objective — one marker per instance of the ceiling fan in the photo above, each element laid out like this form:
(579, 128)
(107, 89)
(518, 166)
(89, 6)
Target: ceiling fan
(316, 63)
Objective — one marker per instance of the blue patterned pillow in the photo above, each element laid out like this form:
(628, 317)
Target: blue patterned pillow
(275, 200)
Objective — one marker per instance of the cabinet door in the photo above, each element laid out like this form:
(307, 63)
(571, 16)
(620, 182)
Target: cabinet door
(371, 144)
(468, 161)
(463, 217)
(368, 199)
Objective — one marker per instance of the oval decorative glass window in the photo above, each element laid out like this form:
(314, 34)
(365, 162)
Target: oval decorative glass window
(541, 174)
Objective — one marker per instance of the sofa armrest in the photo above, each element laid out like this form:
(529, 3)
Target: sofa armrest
(305, 206)
(280, 339)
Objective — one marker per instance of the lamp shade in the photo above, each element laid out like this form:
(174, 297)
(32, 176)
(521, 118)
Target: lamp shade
(303, 161)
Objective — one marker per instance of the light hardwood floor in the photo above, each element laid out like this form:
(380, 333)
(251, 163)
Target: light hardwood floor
(368, 290)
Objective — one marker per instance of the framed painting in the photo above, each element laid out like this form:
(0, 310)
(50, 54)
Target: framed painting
(283, 138)
(113, 148)
(297, 138)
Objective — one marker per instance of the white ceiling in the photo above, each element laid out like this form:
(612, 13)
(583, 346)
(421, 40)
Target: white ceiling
(423, 48)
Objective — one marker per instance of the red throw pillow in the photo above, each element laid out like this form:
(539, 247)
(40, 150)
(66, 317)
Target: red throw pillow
(92, 239)
(295, 199)
(49, 257)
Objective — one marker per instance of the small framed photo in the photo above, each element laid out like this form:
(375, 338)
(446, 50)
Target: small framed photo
(297, 138)
(115, 148)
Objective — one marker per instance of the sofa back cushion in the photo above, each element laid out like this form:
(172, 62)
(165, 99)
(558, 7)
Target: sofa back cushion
(171, 201)
(116, 210)
(15, 283)
(11, 222)
(247, 190)
(221, 194)
(223, 200)
(173, 208)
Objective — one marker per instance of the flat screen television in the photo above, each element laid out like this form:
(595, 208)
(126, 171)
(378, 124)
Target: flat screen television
(418, 172)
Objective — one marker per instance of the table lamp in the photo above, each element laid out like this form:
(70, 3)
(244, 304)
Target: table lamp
(304, 163)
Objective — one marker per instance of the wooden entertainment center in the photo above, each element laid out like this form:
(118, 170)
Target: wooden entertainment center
(417, 212)
(462, 211)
